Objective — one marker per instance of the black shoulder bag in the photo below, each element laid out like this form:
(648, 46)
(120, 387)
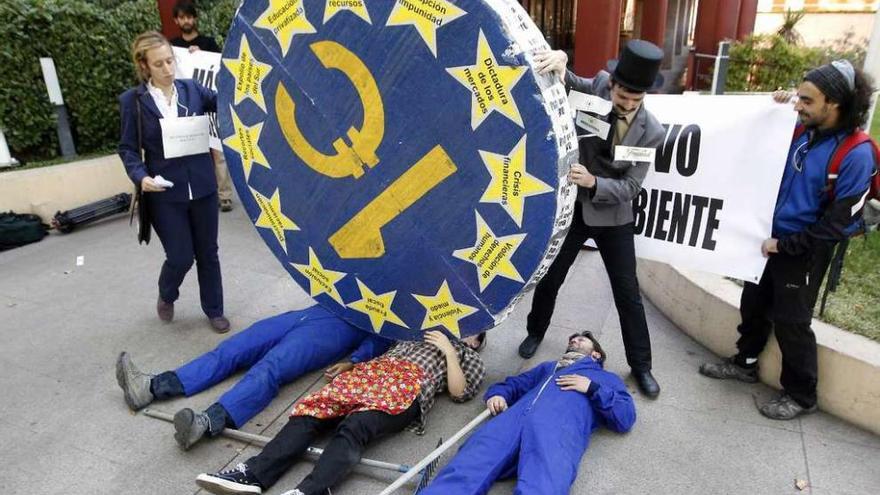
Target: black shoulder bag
(139, 199)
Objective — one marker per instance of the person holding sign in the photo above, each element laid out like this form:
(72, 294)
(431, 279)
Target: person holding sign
(619, 140)
(164, 147)
(542, 426)
(186, 16)
(371, 400)
(815, 210)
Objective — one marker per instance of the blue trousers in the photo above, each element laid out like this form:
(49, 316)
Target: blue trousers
(188, 231)
(275, 351)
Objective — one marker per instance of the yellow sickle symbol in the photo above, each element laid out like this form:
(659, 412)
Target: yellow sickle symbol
(348, 160)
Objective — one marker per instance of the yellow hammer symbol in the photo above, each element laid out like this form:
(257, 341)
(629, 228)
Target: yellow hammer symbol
(361, 237)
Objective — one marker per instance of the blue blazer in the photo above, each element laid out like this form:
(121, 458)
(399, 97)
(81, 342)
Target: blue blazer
(194, 172)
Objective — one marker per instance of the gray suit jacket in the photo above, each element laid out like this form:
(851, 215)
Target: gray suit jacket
(617, 182)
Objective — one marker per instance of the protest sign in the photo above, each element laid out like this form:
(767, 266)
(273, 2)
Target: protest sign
(201, 66)
(708, 200)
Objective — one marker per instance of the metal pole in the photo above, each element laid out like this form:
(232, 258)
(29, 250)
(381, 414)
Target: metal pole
(436, 453)
(722, 61)
(65, 138)
(263, 440)
(53, 88)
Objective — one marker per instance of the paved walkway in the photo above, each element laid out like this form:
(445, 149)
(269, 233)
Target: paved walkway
(64, 428)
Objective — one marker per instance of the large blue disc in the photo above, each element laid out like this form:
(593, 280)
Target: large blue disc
(401, 159)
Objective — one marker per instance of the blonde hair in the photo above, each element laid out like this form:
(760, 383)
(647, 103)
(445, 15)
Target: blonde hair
(145, 42)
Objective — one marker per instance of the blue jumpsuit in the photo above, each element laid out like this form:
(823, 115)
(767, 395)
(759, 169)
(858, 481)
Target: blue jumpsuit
(541, 438)
(277, 350)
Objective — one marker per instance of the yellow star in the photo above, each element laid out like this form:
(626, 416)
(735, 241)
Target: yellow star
(245, 141)
(285, 18)
(357, 7)
(248, 73)
(377, 307)
(427, 16)
(491, 255)
(321, 280)
(511, 184)
(442, 310)
(271, 216)
(490, 85)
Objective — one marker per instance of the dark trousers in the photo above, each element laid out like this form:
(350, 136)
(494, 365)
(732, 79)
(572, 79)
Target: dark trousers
(188, 231)
(617, 247)
(343, 452)
(783, 300)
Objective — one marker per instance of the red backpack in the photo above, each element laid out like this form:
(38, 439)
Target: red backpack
(840, 152)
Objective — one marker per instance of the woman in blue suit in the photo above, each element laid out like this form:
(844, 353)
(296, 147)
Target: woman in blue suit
(184, 215)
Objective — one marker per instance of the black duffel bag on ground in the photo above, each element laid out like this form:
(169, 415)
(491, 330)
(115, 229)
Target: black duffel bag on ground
(18, 229)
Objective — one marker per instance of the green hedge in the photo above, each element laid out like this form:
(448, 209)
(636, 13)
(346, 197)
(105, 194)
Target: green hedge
(768, 62)
(90, 42)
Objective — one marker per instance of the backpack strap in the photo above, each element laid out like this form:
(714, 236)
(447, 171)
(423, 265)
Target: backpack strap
(847, 145)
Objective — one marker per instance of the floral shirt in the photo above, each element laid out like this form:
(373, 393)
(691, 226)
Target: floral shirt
(383, 384)
(432, 361)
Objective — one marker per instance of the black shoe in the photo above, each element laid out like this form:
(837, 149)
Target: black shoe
(529, 346)
(646, 383)
(230, 482)
(729, 370)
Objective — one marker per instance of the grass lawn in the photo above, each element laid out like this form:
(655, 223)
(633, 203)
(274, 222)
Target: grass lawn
(856, 304)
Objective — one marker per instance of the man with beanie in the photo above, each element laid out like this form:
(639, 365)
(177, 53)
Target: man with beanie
(607, 184)
(274, 351)
(542, 425)
(814, 211)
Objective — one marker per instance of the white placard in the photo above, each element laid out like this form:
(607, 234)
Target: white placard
(184, 136)
(203, 67)
(708, 200)
(50, 77)
(588, 103)
(635, 154)
(592, 124)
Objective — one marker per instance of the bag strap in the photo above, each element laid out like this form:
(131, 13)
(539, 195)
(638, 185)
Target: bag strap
(847, 145)
(140, 129)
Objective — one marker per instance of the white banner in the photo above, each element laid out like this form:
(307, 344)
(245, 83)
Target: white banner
(708, 201)
(203, 67)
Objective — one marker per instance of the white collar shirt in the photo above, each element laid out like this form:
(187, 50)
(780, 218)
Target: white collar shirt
(168, 108)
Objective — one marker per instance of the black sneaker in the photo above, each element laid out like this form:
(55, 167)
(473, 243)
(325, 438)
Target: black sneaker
(729, 370)
(230, 481)
(784, 408)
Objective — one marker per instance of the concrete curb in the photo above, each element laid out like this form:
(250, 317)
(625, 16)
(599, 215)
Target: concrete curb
(44, 191)
(706, 307)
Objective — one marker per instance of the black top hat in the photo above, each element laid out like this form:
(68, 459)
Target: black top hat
(638, 67)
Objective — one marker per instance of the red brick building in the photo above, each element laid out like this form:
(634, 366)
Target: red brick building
(594, 29)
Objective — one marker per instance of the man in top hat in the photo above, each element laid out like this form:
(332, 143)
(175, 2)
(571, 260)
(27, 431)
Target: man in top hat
(606, 188)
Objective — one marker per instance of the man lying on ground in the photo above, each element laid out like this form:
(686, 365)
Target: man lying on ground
(275, 351)
(544, 418)
(373, 399)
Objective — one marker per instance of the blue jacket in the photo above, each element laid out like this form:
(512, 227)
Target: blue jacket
(542, 436)
(194, 172)
(804, 211)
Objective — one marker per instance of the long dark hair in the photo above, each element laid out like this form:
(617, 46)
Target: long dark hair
(854, 111)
